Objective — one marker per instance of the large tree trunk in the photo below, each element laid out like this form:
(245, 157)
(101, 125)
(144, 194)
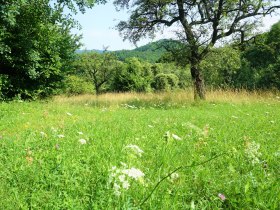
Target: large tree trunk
(198, 82)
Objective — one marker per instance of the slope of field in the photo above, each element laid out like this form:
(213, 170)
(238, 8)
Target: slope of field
(141, 152)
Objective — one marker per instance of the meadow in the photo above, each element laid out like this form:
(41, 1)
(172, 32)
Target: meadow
(141, 151)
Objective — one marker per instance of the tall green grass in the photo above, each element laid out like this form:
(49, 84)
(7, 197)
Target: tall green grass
(227, 146)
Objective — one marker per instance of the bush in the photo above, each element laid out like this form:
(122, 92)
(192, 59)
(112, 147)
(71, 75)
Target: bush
(165, 82)
(74, 85)
(133, 75)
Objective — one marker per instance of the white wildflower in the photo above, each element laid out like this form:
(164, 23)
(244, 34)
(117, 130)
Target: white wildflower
(117, 188)
(174, 136)
(122, 178)
(252, 152)
(43, 134)
(125, 184)
(150, 126)
(79, 132)
(135, 149)
(119, 178)
(68, 113)
(174, 177)
(60, 136)
(134, 173)
(83, 141)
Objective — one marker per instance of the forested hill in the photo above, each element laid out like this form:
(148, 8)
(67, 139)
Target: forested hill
(150, 52)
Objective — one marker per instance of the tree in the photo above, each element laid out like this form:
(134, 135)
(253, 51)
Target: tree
(261, 61)
(133, 75)
(221, 66)
(36, 46)
(100, 68)
(200, 24)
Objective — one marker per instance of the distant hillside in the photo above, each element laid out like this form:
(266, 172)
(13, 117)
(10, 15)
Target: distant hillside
(150, 52)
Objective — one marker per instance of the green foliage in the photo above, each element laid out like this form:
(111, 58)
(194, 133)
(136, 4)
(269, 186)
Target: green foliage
(133, 75)
(261, 61)
(199, 26)
(220, 67)
(98, 68)
(165, 82)
(36, 46)
(151, 52)
(74, 85)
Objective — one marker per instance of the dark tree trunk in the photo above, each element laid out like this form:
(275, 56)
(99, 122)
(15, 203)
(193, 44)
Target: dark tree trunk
(198, 82)
(97, 89)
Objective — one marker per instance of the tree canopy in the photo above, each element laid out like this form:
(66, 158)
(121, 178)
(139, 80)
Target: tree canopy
(200, 24)
(36, 45)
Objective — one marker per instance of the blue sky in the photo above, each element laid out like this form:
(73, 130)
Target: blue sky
(98, 28)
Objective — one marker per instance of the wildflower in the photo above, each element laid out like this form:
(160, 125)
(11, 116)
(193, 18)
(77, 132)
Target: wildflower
(68, 113)
(174, 177)
(234, 117)
(122, 178)
(119, 178)
(174, 136)
(116, 188)
(150, 126)
(79, 132)
(135, 149)
(60, 136)
(222, 196)
(252, 152)
(134, 173)
(125, 184)
(43, 134)
(83, 141)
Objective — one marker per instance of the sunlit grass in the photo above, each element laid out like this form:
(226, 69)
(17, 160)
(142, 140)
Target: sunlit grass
(64, 153)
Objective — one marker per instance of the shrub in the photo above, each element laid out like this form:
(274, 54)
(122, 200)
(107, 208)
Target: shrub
(74, 85)
(165, 82)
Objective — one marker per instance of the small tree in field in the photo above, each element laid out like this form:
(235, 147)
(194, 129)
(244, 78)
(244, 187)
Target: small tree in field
(200, 24)
(99, 68)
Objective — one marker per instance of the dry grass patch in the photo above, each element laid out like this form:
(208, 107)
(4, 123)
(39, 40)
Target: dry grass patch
(176, 97)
